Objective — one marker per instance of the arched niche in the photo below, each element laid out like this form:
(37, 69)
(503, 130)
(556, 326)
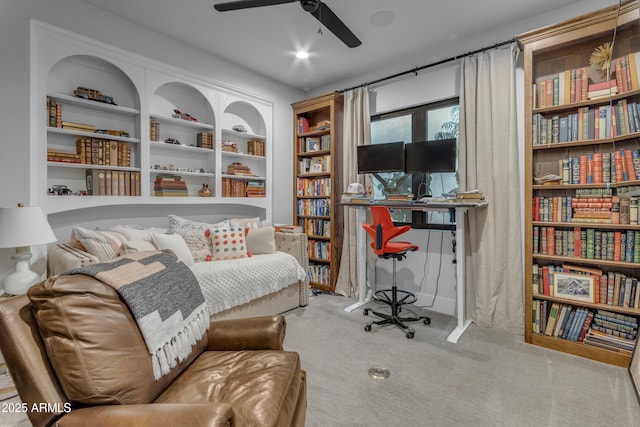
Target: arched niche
(94, 73)
(183, 97)
(245, 114)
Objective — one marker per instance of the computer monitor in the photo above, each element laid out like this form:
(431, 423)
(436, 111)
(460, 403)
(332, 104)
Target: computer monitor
(376, 158)
(434, 156)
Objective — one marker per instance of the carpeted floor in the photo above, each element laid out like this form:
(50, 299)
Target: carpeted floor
(489, 378)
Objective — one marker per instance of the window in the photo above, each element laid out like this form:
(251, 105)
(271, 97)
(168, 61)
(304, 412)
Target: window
(437, 120)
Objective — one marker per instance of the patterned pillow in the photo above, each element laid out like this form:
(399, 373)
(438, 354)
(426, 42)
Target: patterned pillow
(199, 246)
(104, 245)
(184, 226)
(228, 242)
(133, 246)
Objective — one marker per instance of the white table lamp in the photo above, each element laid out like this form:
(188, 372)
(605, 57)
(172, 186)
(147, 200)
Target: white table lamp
(22, 227)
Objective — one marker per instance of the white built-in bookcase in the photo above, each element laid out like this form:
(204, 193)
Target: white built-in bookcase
(143, 89)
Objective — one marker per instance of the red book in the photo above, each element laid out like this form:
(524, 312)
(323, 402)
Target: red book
(586, 326)
(628, 159)
(602, 85)
(551, 242)
(536, 208)
(545, 281)
(576, 242)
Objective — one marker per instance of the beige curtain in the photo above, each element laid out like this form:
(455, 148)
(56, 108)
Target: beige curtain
(488, 161)
(356, 131)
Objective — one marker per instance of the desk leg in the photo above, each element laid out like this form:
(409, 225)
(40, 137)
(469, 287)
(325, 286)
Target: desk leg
(463, 323)
(362, 261)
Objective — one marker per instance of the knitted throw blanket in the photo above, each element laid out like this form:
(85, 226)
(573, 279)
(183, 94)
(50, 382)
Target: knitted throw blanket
(165, 299)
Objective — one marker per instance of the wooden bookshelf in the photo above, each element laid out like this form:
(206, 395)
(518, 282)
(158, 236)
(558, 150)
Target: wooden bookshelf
(550, 55)
(318, 183)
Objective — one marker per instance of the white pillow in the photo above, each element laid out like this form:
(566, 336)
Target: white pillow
(250, 223)
(175, 243)
(133, 246)
(133, 233)
(261, 240)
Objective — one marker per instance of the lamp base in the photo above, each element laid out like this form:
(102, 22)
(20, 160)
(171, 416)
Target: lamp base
(23, 278)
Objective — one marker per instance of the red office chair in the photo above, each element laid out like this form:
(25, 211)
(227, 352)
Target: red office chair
(382, 231)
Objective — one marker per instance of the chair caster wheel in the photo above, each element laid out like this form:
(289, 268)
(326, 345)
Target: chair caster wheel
(410, 334)
(366, 312)
(367, 328)
(426, 321)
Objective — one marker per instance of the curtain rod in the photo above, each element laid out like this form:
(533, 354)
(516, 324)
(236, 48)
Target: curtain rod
(415, 70)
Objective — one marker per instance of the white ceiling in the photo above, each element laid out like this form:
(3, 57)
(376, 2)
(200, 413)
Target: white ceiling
(265, 39)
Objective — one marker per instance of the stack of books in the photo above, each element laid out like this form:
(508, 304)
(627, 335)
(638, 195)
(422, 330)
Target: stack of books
(170, 186)
(255, 189)
(78, 126)
(470, 195)
(237, 168)
(613, 331)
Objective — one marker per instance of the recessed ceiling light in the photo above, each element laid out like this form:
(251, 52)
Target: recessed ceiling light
(382, 18)
(302, 54)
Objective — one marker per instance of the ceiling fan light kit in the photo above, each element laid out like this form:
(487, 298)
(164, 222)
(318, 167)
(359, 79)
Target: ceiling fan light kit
(317, 8)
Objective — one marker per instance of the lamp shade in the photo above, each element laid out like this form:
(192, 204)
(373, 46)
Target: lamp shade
(24, 226)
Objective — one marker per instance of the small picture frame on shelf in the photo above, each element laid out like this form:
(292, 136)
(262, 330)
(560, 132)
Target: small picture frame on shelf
(578, 287)
(634, 370)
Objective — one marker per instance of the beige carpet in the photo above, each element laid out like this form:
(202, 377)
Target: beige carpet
(490, 378)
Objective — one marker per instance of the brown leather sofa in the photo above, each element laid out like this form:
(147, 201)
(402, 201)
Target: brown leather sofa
(77, 358)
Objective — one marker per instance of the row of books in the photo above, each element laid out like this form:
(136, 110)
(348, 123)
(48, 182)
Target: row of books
(54, 113)
(314, 186)
(610, 288)
(170, 186)
(316, 227)
(241, 188)
(96, 151)
(589, 243)
(319, 273)
(105, 182)
(255, 147)
(319, 249)
(588, 123)
(317, 164)
(204, 140)
(600, 328)
(601, 167)
(601, 210)
(311, 144)
(154, 130)
(314, 207)
(575, 85)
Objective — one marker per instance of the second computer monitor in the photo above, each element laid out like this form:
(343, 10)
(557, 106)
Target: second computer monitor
(434, 156)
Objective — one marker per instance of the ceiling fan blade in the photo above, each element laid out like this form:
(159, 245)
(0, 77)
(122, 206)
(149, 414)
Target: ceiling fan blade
(246, 4)
(329, 19)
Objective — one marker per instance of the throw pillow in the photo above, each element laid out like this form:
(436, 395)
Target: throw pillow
(182, 226)
(133, 246)
(261, 240)
(132, 233)
(175, 243)
(250, 223)
(228, 242)
(104, 245)
(199, 246)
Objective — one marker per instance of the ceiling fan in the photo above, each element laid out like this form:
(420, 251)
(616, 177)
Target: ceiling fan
(317, 8)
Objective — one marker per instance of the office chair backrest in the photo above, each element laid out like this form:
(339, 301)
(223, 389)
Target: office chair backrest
(382, 230)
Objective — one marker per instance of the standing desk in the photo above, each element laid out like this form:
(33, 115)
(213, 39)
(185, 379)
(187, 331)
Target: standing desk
(459, 207)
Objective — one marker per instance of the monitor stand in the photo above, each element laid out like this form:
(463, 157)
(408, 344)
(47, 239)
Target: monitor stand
(388, 188)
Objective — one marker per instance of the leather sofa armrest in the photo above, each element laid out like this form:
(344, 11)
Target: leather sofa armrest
(213, 414)
(297, 244)
(252, 333)
(64, 257)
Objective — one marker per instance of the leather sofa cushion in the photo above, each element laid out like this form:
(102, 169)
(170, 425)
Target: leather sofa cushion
(94, 344)
(261, 386)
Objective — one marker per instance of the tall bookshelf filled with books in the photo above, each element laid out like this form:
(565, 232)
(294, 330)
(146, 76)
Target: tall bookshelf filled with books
(318, 183)
(582, 184)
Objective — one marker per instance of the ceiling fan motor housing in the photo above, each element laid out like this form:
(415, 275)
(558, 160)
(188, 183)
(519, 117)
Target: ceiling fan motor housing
(310, 5)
